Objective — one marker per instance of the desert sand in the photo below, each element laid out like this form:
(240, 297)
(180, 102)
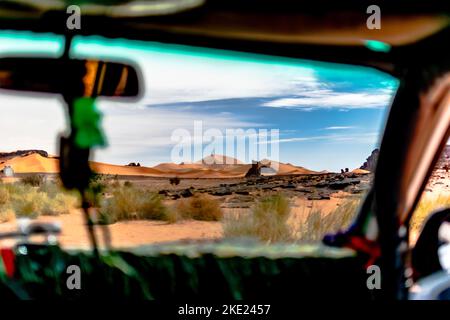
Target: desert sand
(123, 234)
(33, 163)
(129, 234)
(307, 190)
(36, 163)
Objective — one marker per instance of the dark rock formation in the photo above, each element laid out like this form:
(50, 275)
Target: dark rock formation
(221, 192)
(255, 170)
(313, 187)
(288, 186)
(319, 197)
(133, 164)
(371, 161)
(186, 193)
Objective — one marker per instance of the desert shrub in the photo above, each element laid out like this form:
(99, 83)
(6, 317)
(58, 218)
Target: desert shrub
(23, 200)
(428, 204)
(29, 204)
(17, 189)
(174, 181)
(34, 180)
(268, 221)
(113, 181)
(58, 200)
(60, 203)
(134, 204)
(94, 192)
(115, 184)
(128, 184)
(317, 224)
(200, 207)
(96, 177)
(50, 188)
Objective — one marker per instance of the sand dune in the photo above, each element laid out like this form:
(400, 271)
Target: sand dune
(104, 168)
(36, 163)
(198, 170)
(287, 168)
(360, 171)
(218, 159)
(165, 167)
(32, 163)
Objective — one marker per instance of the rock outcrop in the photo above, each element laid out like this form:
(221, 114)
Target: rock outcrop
(371, 161)
(255, 170)
(444, 160)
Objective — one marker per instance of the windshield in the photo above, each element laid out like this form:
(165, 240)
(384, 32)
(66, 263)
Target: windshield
(221, 145)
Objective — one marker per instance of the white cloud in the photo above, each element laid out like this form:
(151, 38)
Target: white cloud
(139, 133)
(134, 132)
(201, 81)
(191, 77)
(339, 128)
(332, 99)
(368, 137)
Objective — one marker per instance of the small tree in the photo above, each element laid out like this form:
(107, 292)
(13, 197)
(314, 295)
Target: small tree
(174, 181)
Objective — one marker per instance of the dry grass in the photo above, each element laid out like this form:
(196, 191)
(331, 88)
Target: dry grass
(4, 195)
(128, 184)
(316, 224)
(426, 206)
(25, 200)
(28, 204)
(313, 224)
(199, 207)
(59, 204)
(34, 180)
(6, 214)
(267, 222)
(127, 203)
(271, 221)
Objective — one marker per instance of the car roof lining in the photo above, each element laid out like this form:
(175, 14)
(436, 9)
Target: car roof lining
(299, 22)
(343, 29)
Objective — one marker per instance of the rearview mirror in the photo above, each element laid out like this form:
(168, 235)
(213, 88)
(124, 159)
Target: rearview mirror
(79, 78)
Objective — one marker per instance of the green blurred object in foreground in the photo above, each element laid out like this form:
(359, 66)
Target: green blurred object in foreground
(214, 270)
(87, 121)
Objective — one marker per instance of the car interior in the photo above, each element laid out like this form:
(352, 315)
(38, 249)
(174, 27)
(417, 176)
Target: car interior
(112, 101)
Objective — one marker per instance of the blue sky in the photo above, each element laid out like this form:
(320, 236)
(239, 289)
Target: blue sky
(329, 116)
